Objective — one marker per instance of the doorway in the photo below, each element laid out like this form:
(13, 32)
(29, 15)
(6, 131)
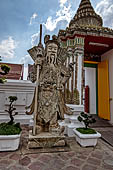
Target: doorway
(91, 79)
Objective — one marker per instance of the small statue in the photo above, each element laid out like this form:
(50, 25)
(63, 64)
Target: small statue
(51, 80)
(48, 103)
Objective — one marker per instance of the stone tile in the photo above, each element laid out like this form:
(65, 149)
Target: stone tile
(25, 161)
(45, 158)
(70, 154)
(84, 152)
(87, 151)
(77, 162)
(89, 167)
(16, 167)
(3, 168)
(48, 168)
(100, 168)
(4, 154)
(108, 161)
(36, 166)
(107, 167)
(34, 156)
(70, 168)
(94, 161)
(56, 163)
(64, 156)
(97, 154)
(15, 156)
(81, 156)
(5, 163)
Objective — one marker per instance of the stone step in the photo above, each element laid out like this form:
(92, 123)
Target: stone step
(76, 113)
(71, 118)
(78, 108)
(70, 128)
(66, 118)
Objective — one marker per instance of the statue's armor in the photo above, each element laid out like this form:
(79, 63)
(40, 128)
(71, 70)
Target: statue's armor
(48, 109)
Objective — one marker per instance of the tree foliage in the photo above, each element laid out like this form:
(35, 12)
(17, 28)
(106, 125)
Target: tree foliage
(86, 119)
(4, 70)
(11, 110)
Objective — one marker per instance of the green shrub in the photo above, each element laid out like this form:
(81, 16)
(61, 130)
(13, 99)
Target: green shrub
(4, 70)
(86, 119)
(6, 129)
(10, 128)
(86, 131)
(11, 110)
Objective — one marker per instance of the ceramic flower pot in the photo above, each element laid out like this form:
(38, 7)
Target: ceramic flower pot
(9, 142)
(86, 139)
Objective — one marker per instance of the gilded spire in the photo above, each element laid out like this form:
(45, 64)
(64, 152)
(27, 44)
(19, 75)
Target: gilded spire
(86, 15)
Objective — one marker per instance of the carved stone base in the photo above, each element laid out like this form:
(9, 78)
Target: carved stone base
(45, 140)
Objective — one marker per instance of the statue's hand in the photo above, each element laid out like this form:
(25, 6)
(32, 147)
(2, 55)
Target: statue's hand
(39, 61)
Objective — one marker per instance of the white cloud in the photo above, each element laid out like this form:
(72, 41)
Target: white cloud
(50, 24)
(63, 14)
(7, 48)
(62, 2)
(34, 39)
(105, 9)
(33, 18)
(58, 20)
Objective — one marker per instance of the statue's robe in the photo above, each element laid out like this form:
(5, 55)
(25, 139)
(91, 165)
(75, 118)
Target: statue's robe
(49, 103)
(51, 106)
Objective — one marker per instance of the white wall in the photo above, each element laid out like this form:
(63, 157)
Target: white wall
(90, 80)
(24, 91)
(109, 57)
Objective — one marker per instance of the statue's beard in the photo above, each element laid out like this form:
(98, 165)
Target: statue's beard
(51, 58)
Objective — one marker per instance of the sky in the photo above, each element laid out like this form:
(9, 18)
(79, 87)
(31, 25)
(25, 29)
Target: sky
(20, 23)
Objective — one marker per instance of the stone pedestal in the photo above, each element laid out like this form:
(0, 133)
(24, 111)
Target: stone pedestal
(45, 140)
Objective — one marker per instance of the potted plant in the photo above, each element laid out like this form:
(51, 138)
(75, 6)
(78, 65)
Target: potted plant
(86, 136)
(10, 131)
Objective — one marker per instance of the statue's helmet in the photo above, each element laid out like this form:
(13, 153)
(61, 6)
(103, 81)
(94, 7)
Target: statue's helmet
(54, 40)
(51, 48)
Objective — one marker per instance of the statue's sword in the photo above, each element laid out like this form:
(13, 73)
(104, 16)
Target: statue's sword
(36, 102)
(33, 53)
(37, 84)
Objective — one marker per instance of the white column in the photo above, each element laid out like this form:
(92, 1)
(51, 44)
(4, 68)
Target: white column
(79, 51)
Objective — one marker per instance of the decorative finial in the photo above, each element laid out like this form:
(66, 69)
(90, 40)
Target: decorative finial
(46, 38)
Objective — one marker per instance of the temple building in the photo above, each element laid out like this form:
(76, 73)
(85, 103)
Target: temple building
(16, 71)
(91, 47)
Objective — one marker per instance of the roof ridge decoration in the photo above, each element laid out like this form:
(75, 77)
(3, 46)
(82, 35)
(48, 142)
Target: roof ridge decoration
(86, 15)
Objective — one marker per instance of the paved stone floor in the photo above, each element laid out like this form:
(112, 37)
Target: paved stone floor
(100, 122)
(105, 128)
(77, 158)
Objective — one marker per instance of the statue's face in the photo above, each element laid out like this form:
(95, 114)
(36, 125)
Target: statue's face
(52, 49)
